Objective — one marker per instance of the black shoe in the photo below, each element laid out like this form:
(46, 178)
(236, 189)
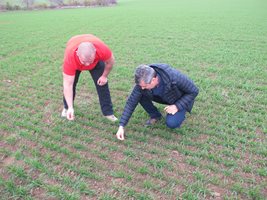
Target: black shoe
(152, 121)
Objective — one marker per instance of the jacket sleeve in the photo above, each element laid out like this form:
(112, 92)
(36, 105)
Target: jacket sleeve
(131, 104)
(189, 89)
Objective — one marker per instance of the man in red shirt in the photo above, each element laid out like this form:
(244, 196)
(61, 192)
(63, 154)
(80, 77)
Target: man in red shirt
(87, 52)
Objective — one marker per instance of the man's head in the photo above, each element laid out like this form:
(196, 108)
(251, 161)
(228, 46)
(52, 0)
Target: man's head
(86, 53)
(145, 76)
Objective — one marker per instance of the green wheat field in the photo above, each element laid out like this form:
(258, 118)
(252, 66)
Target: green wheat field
(219, 153)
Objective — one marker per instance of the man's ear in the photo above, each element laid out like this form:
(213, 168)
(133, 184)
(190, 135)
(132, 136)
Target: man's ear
(154, 79)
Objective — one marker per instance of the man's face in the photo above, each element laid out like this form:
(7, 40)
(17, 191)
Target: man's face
(148, 86)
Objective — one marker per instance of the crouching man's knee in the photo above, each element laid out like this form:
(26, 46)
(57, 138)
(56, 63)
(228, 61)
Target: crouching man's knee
(172, 124)
(176, 120)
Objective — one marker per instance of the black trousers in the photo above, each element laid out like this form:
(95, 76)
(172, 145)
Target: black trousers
(102, 91)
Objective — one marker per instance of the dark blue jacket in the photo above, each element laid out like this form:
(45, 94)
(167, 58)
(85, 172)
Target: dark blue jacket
(179, 90)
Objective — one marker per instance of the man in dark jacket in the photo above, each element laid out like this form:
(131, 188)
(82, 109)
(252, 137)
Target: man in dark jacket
(163, 84)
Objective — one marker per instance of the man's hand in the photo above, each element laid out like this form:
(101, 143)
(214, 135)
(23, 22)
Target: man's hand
(102, 80)
(172, 109)
(70, 114)
(120, 133)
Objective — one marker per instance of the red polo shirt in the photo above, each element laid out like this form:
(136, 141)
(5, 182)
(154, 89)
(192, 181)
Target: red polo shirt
(71, 61)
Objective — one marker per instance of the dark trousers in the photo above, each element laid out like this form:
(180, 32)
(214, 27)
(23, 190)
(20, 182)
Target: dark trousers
(172, 121)
(102, 91)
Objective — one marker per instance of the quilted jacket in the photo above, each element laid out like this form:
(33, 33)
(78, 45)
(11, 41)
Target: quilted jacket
(179, 90)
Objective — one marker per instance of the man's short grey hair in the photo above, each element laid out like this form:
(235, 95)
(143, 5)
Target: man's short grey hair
(86, 49)
(145, 73)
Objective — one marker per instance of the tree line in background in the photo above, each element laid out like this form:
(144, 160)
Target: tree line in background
(33, 4)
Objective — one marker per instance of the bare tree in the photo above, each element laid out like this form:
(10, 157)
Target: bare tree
(28, 3)
(57, 2)
(105, 2)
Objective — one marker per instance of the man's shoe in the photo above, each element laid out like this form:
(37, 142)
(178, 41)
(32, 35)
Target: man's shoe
(152, 121)
(64, 112)
(112, 118)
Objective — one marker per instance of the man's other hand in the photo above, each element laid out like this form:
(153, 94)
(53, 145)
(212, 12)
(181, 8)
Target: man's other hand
(102, 80)
(172, 109)
(120, 133)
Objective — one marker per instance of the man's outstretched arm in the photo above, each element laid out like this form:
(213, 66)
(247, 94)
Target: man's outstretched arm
(68, 94)
(129, 108)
